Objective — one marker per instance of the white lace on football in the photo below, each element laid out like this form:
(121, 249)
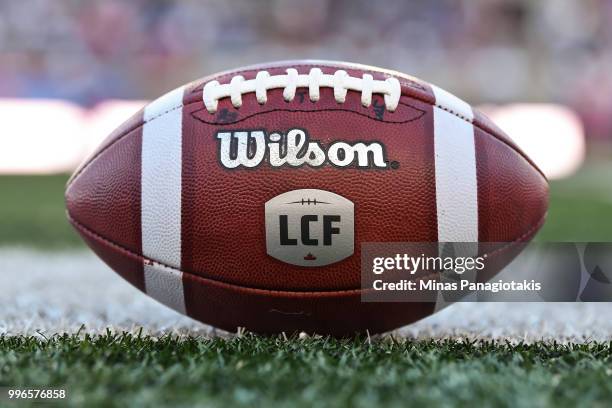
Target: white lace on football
(340, 81)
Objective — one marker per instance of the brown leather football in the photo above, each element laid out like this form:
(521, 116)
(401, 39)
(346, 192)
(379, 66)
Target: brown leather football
(242, 199)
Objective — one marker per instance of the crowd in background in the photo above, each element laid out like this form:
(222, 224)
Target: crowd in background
(487, 51)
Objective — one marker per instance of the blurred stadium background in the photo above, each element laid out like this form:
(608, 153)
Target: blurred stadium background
(82, 67)
(71, 71)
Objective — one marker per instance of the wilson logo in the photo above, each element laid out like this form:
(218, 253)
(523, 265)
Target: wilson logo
(294, 149)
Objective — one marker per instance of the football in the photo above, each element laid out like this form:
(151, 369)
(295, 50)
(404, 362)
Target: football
(243, 199)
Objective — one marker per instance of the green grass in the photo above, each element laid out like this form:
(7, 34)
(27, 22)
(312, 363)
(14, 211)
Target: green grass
(581, 206)
(32, 212)
(127, 370)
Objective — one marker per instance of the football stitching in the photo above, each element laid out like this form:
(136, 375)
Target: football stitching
(407, 81)
(148, 261)
(314, 80)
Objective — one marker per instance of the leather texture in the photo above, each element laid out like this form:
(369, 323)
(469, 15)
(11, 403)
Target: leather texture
(226, 278)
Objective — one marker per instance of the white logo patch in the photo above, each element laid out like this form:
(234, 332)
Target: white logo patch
(310, 227)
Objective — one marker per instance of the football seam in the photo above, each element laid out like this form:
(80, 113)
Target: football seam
(197, 90)
(147, 261)
(418, 116)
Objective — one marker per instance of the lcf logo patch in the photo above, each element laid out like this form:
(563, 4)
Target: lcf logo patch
(309, 227)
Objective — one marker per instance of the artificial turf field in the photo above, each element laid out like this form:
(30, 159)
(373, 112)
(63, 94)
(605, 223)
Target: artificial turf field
(127, 370)
(132, 370)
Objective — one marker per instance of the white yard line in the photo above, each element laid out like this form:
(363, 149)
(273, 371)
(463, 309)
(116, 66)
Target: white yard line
(56, 292)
